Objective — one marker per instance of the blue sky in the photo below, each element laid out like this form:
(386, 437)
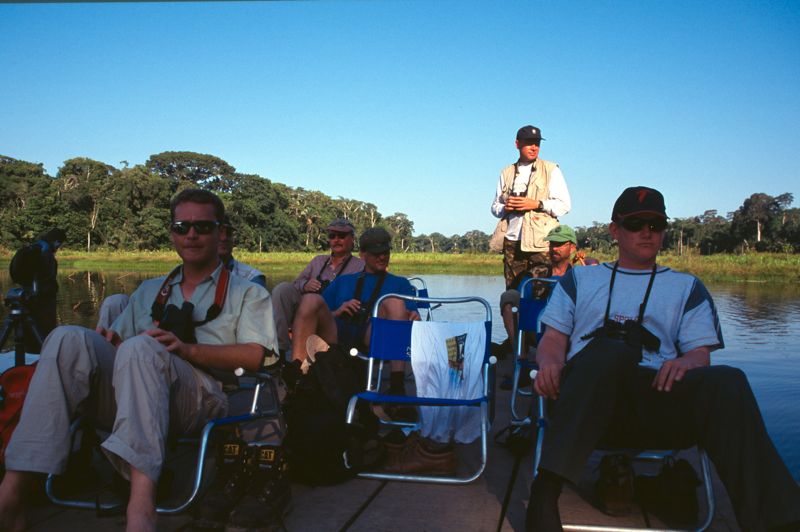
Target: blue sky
(413, 106)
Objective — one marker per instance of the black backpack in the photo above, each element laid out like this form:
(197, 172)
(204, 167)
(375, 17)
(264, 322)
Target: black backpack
(317, 435)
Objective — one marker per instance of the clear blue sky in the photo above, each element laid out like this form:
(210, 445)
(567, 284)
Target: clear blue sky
(413, 106)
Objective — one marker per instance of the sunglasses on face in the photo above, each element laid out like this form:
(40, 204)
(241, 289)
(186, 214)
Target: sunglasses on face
(634, 225)
(202, 227)
(337, 234)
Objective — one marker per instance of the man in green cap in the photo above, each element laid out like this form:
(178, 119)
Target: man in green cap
(563, 244)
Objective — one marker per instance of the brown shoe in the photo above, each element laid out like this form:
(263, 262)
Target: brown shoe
(394, 446)
(414, 458)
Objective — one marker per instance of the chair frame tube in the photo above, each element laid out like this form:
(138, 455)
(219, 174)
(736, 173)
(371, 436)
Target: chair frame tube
(254, 414)
(373, 385)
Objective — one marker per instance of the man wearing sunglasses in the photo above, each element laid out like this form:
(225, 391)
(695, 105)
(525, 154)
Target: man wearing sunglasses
(531, 195)
(315, 277)
(625, 358)
(139, 379)
(340, 314)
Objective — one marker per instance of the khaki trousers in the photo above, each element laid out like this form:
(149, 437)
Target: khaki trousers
(139, 391)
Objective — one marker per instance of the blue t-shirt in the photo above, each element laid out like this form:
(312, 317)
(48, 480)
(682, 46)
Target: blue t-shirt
(343, 288)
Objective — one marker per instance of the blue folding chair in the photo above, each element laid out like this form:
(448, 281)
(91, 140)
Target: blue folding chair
(526, 320)
(636, 455)
(265, 405)
(421, 290)
(392, 340)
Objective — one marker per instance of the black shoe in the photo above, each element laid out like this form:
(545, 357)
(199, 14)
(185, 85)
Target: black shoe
(229, 486)
(542, 514)
(401, 412)
(269, 496)
(672, 494)
(614, 488)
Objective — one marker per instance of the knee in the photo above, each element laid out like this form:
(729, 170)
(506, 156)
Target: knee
(509, 298)
(725, 379)
(393, 309)
(65, 335)
(141, 349)
(310, 304)
(283, 291)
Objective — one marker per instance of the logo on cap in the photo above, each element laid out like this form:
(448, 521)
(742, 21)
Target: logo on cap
(641, 194)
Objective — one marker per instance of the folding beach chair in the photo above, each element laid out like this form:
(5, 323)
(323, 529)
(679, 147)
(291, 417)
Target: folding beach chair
(451, 352)
(421, 290)
(526, 320)
(264, 405)
(636, 455)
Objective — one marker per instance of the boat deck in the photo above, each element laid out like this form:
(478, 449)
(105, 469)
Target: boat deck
(496, 501)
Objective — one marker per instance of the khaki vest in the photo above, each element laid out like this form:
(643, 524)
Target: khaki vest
(535, 225)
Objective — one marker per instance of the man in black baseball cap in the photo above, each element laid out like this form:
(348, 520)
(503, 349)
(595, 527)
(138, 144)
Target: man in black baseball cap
(631, 340)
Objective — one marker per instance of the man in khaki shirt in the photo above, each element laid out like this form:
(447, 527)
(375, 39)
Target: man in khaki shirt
(155, 359)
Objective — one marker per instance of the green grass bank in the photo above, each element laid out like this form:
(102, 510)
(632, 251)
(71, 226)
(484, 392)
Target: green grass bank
(752, 267)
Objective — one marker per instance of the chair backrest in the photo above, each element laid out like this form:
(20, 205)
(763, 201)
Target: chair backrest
(530, 308)
(391, 339)
(420, 288)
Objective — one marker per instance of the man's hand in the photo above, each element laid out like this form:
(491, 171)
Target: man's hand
(550, 356)
(110, 335)
(168, 339)
(519, 203)
(312, 286)
(349, 307)
(674, 370)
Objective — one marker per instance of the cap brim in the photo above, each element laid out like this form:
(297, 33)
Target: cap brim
(377, 249)
(640, 213)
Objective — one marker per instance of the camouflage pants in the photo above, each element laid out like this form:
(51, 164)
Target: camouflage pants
(516, 262)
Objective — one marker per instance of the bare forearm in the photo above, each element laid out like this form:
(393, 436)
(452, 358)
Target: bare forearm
(225, 357)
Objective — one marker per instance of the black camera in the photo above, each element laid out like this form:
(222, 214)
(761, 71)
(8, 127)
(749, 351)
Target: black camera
(16, 297)
(519, 194)
(323, 284)
(179, 322)
(360, 316)
(633, 333)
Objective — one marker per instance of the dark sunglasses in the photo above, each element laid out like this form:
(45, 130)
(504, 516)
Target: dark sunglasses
(337, 234)
(202, 227)
(637, 224)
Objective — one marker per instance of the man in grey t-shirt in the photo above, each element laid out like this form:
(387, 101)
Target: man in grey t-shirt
(625, 358)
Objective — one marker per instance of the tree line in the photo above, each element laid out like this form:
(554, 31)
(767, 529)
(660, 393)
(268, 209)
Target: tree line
(126, 208)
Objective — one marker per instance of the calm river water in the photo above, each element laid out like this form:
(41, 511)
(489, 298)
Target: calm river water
(760, 322)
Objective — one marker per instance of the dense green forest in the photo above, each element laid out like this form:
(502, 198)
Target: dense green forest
(104, 207)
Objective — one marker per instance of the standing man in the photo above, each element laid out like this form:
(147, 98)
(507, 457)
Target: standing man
(626, 359)
(146, 374)
(315, 277)
(531, 195)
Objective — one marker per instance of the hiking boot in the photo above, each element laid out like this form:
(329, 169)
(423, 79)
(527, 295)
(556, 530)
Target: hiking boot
(394, 443)
(415, 458)
(228, 487)
(614, 488)
(268, 498)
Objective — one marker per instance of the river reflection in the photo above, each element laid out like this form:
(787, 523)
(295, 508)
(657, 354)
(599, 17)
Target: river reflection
(760, 323)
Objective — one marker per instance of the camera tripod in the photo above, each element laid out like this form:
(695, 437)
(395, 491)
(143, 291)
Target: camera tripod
(19, 321)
